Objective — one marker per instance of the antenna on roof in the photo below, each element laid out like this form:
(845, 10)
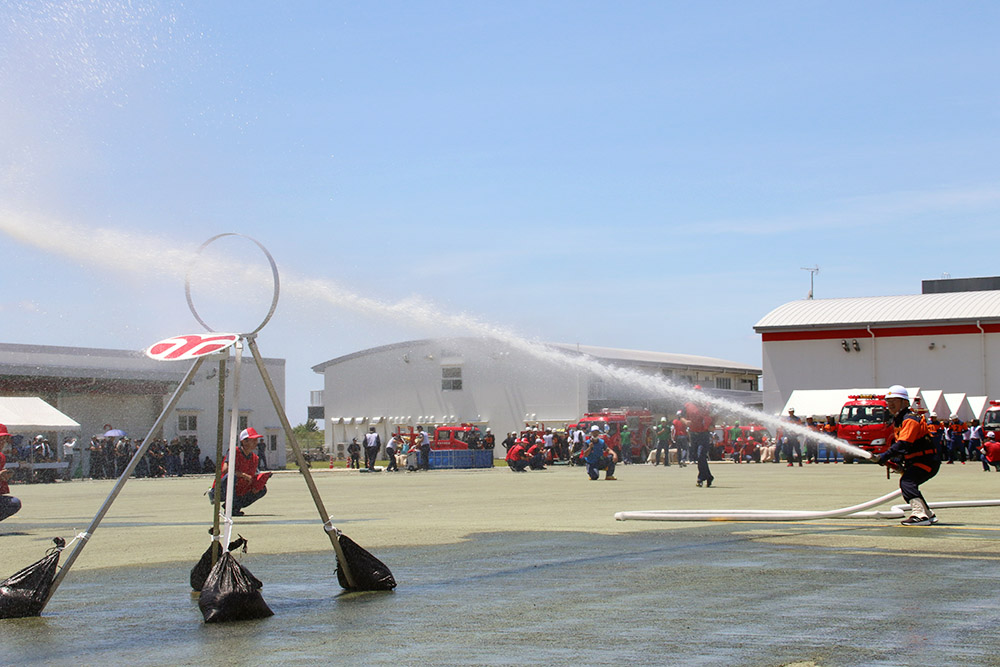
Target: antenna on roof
(812, 273)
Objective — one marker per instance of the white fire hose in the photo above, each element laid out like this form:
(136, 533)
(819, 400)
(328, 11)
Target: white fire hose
(855, 511)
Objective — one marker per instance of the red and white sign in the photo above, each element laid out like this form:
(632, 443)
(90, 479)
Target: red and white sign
(190, 346)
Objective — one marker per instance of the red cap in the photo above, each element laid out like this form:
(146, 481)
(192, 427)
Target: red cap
(3, 431)
(249, 433)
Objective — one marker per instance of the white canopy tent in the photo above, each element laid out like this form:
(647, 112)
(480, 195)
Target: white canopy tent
(958, 406)
(933, 400)
(821, 403)
(978, 405)
(23, 413)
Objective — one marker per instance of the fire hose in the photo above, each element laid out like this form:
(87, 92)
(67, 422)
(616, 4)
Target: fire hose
(854, 511)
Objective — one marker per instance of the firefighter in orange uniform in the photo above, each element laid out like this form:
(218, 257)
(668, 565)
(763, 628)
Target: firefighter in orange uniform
(935, 431)
(914, 452)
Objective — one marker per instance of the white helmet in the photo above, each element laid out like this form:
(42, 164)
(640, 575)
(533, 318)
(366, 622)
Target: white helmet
(898, 391)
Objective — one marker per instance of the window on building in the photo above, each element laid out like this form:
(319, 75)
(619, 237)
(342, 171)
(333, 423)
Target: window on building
(187, 423)
(723, 383)
(451, 378)
(273, 442)
(243, 421)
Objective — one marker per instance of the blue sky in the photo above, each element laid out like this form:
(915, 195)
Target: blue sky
(648, 175)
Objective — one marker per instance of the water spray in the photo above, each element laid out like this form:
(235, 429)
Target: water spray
(154, 256)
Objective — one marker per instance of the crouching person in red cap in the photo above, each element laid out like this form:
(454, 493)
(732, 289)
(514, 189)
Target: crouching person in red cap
(249, 485)
(914, 452)
(991, 452)
(9, 505)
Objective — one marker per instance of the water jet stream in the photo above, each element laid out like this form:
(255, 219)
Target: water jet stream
(149, 256)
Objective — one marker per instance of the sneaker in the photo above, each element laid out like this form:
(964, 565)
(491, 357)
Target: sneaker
(698, 482)
(238, 513)
(934, 518)
(791, 465)
(610, 478)
(916, 521)
(708, 483)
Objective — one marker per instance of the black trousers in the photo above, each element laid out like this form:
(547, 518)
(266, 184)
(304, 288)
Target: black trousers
(702, 443)
(371, 454)
(912, 478)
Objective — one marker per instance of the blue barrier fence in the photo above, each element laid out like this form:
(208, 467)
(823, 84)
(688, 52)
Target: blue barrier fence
(462, 458)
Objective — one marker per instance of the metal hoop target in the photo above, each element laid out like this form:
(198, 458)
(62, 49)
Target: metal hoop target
(274, 274)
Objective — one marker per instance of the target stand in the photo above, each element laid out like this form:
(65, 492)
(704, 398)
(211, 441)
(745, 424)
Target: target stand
(357, 570)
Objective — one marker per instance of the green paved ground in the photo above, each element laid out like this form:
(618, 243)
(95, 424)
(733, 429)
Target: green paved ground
(439, 507)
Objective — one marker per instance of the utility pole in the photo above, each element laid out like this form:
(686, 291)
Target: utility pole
(813, 270)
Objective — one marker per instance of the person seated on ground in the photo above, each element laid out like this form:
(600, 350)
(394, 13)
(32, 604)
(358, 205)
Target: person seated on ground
(9, 505)
(517, 456)
(768, 449)
(536, 455)
(598, 456)
(736, 455)
(991, 451)
(208, 466)
(249, 485)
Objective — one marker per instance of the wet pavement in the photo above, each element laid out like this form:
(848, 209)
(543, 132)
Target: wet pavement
(833, 592)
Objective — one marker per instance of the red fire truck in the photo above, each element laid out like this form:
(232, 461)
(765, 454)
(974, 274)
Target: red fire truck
(991, 420)
(454, 436)
(640, 424)
(865, 422)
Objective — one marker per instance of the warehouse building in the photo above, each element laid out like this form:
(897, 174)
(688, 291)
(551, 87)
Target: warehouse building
(503, 386)
(946, 339)
(127, 390)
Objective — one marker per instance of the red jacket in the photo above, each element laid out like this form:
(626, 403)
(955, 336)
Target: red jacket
(4, 488)
(991, 450)
(700, 420)
(244, 464)
(515, 453)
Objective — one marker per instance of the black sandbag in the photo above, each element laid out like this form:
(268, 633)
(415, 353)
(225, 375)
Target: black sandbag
(368, 572)
(231, 593)
(199, 573)
(24, 593)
